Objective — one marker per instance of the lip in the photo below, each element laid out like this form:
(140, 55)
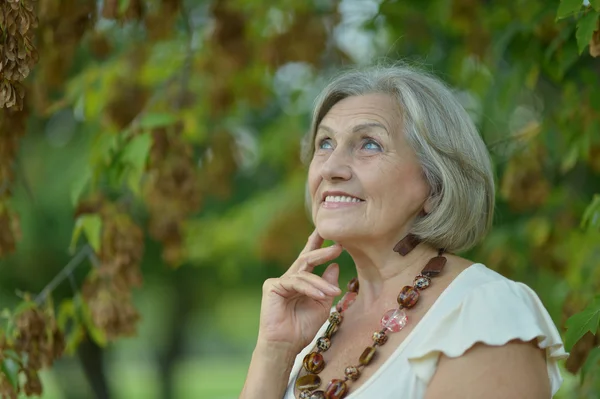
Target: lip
(338, 194)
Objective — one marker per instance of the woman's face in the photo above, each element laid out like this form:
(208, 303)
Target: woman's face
(364, 179)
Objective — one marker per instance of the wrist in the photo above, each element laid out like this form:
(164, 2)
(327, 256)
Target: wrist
(281, 352)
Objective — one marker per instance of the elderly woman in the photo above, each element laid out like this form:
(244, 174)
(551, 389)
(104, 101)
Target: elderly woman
(400, 179)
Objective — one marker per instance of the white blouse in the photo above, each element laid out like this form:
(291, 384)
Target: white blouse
(479, 305)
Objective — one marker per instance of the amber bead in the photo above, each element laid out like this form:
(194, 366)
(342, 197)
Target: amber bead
(331, 329)
(308, 382)
(421, 282)
(380, 338)
(314, 362)
(336, 389)
(408, 296)
(352, 373)
(335, 318)
(353, 285)
(323, 343)
(317, 395)
(367, 355)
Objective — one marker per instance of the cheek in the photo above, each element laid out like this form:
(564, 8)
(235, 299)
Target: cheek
(314, 179)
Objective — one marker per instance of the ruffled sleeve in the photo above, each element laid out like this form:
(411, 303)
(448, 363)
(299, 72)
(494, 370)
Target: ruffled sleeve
(494, 314)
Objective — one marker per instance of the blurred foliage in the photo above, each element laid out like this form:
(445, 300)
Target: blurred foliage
(156, 132)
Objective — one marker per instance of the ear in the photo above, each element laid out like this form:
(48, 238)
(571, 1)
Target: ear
(427, 206)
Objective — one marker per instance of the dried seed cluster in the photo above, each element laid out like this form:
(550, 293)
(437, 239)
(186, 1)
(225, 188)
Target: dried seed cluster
(37, 343)
(18, 55)
(107, 291)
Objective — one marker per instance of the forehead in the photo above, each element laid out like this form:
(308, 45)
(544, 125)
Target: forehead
(379, 108)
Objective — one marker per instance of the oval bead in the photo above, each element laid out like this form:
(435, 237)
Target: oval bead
(336, 318)
(352, 373)
(408, 296)
(394, 320)
(353, 285)
(380, 337)
(317, 395)
(345, 302)
(323, 343)
(336, 389)
(308, 382)
(421, 282)
(367, 355)
(314, 362)
(331, 329)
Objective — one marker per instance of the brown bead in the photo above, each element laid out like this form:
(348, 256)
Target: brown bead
(336, 389)
(314, 362)
(323, 343)
(317, 395)
(352, 373)
(434, 266)
(421, 282)
(353, 285)
(380, 338)
(335, 318)
(407, 244)
(408, 296)
(331, 329)
(367, 355)
(308, 382)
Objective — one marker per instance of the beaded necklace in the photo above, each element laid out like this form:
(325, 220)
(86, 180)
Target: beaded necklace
(392, 321)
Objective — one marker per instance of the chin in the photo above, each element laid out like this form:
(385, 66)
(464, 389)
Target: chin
(339, 232)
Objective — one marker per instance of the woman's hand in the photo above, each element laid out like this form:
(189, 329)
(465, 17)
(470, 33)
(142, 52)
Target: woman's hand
(297, 304)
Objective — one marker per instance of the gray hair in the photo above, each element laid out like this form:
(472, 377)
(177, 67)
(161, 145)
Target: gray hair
(454, 158)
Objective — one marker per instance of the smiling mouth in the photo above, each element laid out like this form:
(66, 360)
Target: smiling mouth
(342, 199)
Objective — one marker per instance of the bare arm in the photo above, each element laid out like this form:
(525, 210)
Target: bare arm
(516, 370)
(269, 370)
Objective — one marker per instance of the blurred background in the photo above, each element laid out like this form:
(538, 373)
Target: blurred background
(152, 179)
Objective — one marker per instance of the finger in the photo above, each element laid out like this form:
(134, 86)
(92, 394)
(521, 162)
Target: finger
(332, 275)
(319, 283)
(308, 261)
(290, 287)
(314, 242)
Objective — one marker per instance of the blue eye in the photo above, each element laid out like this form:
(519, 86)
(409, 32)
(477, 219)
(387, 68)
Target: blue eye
(325, 144)
(371, 145)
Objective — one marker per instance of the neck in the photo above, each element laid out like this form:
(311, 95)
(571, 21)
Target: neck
(382, 272)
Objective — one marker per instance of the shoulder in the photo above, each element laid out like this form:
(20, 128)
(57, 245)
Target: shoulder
(515, 369)
(488, 318)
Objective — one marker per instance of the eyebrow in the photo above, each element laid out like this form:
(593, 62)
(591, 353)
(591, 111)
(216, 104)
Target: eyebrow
(357, 128)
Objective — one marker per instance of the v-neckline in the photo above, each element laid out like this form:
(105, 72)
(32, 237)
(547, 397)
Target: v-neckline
(400, 347)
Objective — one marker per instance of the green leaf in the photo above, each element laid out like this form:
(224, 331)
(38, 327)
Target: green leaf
(591, 216)
(10, 368)
(136, 151)
(568, 8)
(580, 323)
(66, 312)
(595, 4)
(151, 121)
(585, 29)
(91, 226)
(80, 184)
(592, 361)
(135, 155)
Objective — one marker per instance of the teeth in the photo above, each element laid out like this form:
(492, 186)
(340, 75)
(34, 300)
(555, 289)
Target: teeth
(331, 198)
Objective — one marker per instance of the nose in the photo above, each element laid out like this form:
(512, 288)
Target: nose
(337, 167)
